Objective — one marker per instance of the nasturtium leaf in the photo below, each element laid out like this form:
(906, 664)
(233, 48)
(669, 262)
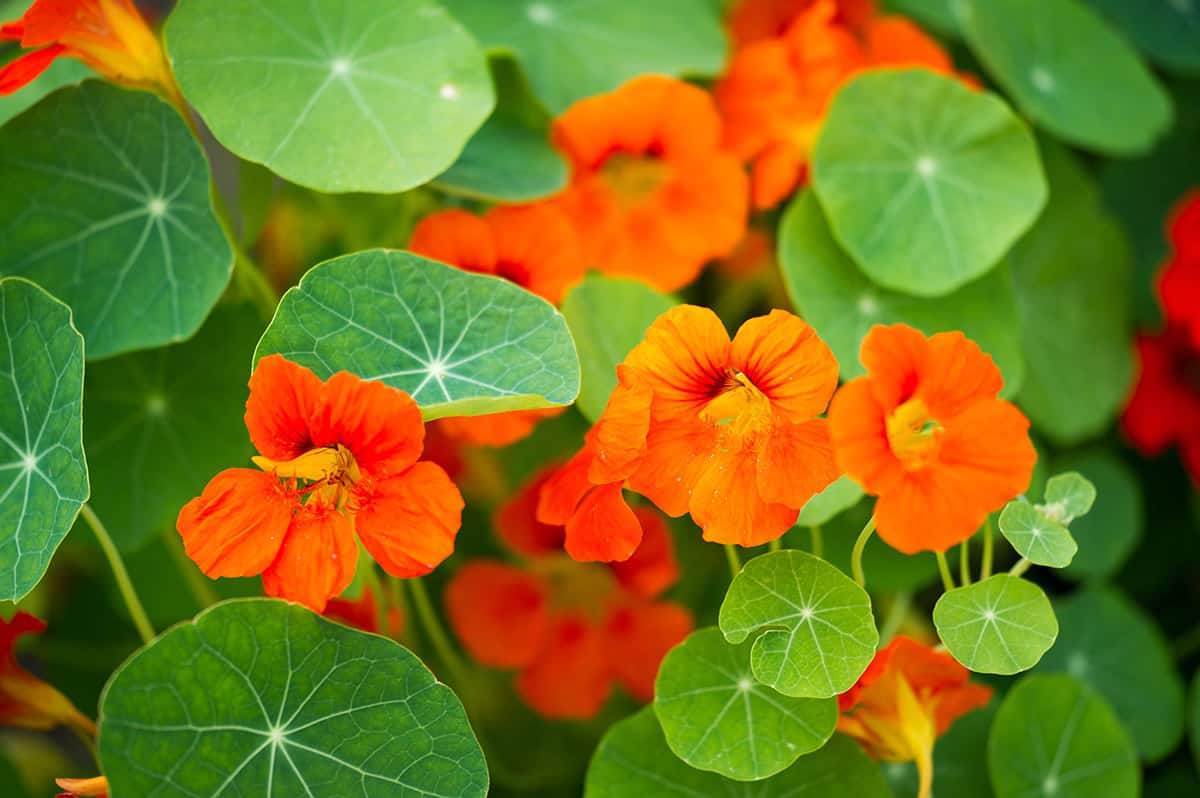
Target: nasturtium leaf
(1110, 645)
(925, 182)
(158, 425)
(1036, 536)
(717, 717)
(608, 317)
(257, 697)
(43, 475)
(960, 757)
(571, 49)
(1003, 624)
(63, 72)
(1110, 532)
(842, 494)
(1054, 738)
(842, 304)
(1071, 273)
(633, 760)
(818, 632)
(937, 15)
(1069, 496)
(346, 95)
(1168, 31)
(1069, 71)
(460, 343)
(106, 205)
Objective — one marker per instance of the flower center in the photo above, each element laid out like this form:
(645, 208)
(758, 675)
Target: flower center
(913, 435)
(633, 177)
(329, 470)
(575, 586)
(739, 407)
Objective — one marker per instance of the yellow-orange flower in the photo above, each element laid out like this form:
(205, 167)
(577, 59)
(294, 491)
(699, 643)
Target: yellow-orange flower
(96, 787)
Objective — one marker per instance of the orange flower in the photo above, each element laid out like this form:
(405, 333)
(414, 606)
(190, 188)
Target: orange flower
(25, 700)
(906, 699)
(652, 194)
(83, 788)
(754, 20)
(337, 457)
(571, 630)
(108, 35)
(725, 430)
(363, 613)
(925, 432)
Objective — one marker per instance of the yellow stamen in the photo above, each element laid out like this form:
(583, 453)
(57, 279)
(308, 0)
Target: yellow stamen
(328, 463)
(632, 177)
(741, 408)
(913, 435)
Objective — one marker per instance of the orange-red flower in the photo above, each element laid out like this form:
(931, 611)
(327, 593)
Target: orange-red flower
(337, 458)
(1164, 409)
(724, 430)
(652, 195)
(925, 431)
(96, 787)
(1179, 285)
(906, 699)
(754, 20)
(25, 700)
(571, 630)
(108, 35)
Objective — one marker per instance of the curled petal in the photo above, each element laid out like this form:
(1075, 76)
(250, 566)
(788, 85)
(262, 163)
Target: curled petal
(653, 567)
(784, 358)
(727, 505)
(408, 522)
(603, 527)
(20, 72)
(317, 560)
(283, 396)
(498, 612)
(619, 437)
(795, 462)
(237, 525)
(380, 425)
(563, 490)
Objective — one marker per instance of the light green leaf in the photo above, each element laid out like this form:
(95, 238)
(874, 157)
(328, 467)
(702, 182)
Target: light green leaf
(43, 476)
(1069, 71)
(818, 633)
(1168, 31)
(262, 698)
(842, 494)
(1036, 536)
(633, 760)
(842, 304)
(107, 206)
(925, 182)
(1071, 274)
(346, 95)
(571, 49)
(1111, 531)
(608, 317)
(460, 343)
(1109, 644)
(1055, 738)
(1069, 496)
(158, 425)
(1003, 624)
(716, 717)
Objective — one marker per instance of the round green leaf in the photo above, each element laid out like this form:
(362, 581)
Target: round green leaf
(345, 95)
(1168, 31)
(842, 494)
(818, 632)
(925, 182)
(608, 317)
(1036, 536)
(1116, 649)
(633, 760)
(159, 424)
(460, 343)
(262, 698)
(1069, 71)
(571, 49)
(106, 205)
(843, 304)
(1003, 624)
(1069, 496)
(1055, 738)
(716, 717)
(43, 476)
(1110, 532)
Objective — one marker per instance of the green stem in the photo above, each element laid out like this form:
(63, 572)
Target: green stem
(1021, 567)
(775, 545)
(437, 633)
(371, 583)
(735, 562)
(944, 569)
(198, 584)
(818, 541)
(136, 611)
(988, 547)
(856, 555)
(964, 563)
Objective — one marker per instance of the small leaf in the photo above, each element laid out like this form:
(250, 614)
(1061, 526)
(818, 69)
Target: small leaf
(842, 494)
(460, 343)
(1111, 531)
(608, 317)
(717, 717)
(633, 760)
(1055, 738)
(1003, 624)
(925, 182)
(43, 476)
(828, 635)
(262, 698)
(1069, 496)
(1036, 536)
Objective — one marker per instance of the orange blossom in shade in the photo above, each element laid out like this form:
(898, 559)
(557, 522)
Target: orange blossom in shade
(724, 430)
(336, 458)
(1164, 409)
(652, 194)
(925, 431)
(906, 699)
(108, 35)
(25, 700)
(754, 20)
(96, 787)
(1179, 284)
(571, 630)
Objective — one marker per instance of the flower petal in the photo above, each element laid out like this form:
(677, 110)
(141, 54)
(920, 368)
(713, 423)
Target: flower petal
(20, 72)
(571, 677)
(795, 462)
(317, 560)
(537, 248)
(677, 452)
(283, 396)
(683, 359)
(785, 359)
(456, 237)
(564, 489)
(619, 437)
(653, 567)
(408, 522)
(726, 503)
(516, 522)
(380, 425)
(237, 525)
(603, 528)
(638, 636)
(498, 612)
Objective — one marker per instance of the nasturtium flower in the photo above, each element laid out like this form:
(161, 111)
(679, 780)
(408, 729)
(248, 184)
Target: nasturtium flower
(571, 630)
(727, 431)
(337, 458)
(26, 701)
(652, 195)
(909, 696)
(754, 20)
(1164, 409)
(108, 35)
(1179, 284)
(96, 787)
(925, 431)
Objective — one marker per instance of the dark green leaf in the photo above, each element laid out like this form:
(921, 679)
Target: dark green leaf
(1168, 31)
(1109, 533)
